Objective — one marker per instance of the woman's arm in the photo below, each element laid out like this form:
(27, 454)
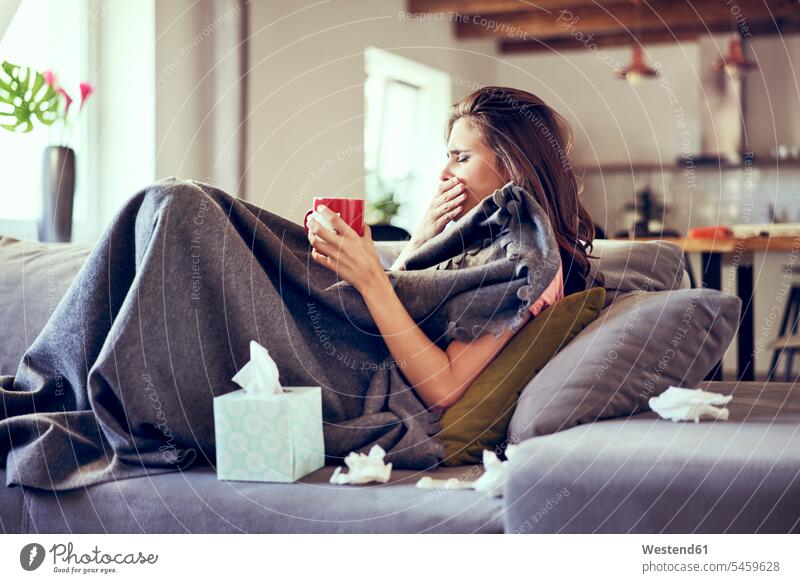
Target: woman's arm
(440, 377)
(425, 366)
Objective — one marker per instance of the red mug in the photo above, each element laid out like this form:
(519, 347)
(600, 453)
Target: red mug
(350, 209)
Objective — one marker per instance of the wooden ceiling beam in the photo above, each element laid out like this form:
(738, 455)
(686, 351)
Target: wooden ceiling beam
(618, 17)
(486, 7)
(648, 37)
(547, 45)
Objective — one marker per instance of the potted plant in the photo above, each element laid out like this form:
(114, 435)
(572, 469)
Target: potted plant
(384, 207)
(27, 97)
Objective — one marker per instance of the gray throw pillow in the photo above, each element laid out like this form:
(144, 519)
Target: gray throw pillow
(33, 278)
(635, 349)
(637, 265)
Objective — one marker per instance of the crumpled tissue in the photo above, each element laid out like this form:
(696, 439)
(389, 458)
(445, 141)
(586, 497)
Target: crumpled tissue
(681, 404)
(491, 481)
(260, 375)
(450, 484)
(363, 468)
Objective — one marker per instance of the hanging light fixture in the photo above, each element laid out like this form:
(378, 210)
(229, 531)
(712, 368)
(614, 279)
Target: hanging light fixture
(734, 63)
(638, 69)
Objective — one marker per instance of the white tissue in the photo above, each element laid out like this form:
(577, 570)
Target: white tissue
(260, 374)
(323, 221)
(679, 404)
(429, 483)
(363, 468)
(491, 481)
(495, 473)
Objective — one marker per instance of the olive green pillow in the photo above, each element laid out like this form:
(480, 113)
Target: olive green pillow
(479, 420)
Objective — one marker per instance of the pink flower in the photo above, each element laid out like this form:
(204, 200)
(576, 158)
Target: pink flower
(67, 98)
(86, 90)
(50, 78)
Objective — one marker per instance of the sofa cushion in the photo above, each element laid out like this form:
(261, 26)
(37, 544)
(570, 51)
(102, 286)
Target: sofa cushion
(639, 346)
(479, 420)
(33, 278)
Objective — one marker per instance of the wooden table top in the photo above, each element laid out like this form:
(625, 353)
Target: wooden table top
(780, 244)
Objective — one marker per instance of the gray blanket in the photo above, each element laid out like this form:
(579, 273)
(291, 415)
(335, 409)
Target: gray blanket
(120, 382)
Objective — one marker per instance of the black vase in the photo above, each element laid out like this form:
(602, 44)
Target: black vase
(58, 193)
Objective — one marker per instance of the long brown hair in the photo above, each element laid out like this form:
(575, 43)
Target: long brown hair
(532, 142)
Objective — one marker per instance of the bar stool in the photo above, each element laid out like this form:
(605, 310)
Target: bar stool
(788, 341)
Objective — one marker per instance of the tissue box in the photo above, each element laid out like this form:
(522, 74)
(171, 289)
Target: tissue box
(270, 437)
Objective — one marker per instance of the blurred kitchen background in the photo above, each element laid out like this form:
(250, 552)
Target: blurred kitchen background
(685, 114)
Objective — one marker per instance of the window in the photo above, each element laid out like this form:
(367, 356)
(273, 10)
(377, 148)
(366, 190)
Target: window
(395, 149)
(43, 34)
(407, 104)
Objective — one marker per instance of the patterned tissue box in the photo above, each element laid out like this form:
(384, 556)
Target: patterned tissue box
(269, 437)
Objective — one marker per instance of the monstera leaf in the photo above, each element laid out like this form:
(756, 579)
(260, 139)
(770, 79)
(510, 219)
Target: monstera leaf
(24, 94)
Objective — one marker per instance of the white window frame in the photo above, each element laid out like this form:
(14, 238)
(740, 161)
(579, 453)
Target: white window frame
(428, 155)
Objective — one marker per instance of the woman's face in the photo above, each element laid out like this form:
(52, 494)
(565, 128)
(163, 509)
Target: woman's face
(474, 163)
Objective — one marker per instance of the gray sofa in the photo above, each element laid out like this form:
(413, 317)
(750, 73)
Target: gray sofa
(633, 473)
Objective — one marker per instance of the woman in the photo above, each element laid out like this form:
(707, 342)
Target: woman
(121, 381)
(495, 135)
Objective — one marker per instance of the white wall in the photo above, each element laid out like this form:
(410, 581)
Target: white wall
(306, 93)
(198, 107)
(183, 90)
(772, 93)
(613, 121)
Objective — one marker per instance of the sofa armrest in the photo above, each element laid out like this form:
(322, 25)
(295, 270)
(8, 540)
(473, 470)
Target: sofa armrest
(642, 474)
